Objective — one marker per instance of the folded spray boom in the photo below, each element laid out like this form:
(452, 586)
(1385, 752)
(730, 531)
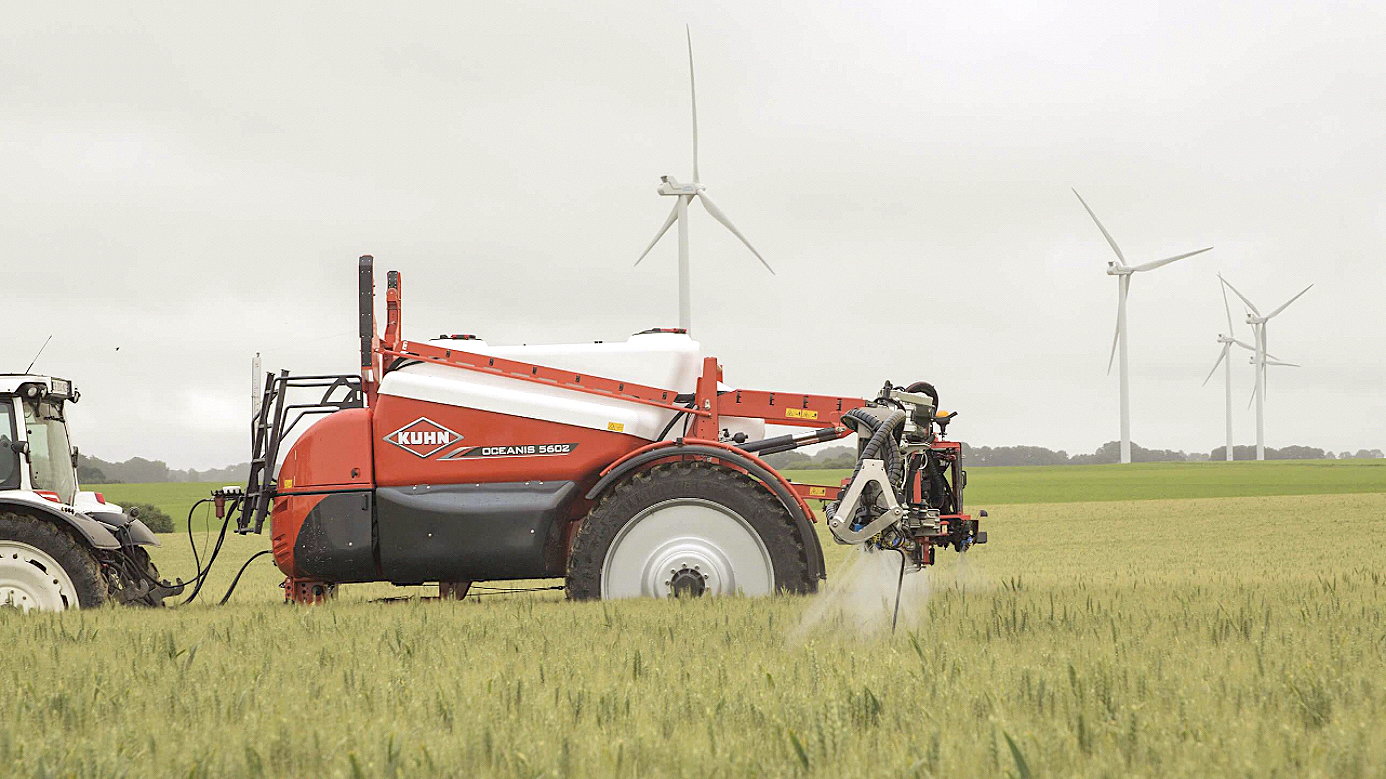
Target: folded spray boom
(905, 494)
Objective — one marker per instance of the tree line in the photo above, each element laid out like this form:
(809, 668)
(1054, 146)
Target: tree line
(137, 470)
(1110, 452)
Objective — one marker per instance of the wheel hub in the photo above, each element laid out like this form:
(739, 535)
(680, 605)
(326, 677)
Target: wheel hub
(687, 583)
(31, 579)
(687, 547)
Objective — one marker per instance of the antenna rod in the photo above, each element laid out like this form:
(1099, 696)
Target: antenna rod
(40, 353)
(257, 381)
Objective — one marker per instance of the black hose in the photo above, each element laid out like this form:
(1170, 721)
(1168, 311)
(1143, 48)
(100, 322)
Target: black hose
(506, 590)
(926, 388)
(201, 577)
(883, 444)
(237, 580)
(197, 563)
(674, 420)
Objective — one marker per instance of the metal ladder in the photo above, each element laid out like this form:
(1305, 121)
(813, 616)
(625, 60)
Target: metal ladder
(270, 429)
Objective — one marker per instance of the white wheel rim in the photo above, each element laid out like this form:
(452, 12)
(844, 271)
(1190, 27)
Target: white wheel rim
(31, 579)
(683, 538)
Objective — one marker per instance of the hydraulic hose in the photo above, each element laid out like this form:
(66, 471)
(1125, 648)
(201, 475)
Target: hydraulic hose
(926, 388)
(883, 444)
(237, 580)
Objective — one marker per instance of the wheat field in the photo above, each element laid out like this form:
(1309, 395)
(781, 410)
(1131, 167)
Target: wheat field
(1211, 636)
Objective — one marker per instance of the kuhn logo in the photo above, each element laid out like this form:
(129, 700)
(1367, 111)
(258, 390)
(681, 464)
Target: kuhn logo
(423, 437)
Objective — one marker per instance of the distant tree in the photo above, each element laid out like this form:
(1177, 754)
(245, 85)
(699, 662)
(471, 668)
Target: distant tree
(790, 460)
(1295, 453)
(1013, 455)
(88, 473)
(1369, 454)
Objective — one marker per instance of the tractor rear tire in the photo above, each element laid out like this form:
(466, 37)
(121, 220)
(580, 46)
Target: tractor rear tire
(688, 529)
(43, 567)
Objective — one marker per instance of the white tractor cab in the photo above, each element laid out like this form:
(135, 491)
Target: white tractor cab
(61, 548)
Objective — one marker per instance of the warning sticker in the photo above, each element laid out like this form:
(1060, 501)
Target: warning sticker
(818, 492)
(800, 413)
(616, 427)
(516, 450)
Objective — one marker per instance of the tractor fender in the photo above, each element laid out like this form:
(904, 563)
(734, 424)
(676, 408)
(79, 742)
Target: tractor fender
(89, 530)
(141, 535)
(753, 465)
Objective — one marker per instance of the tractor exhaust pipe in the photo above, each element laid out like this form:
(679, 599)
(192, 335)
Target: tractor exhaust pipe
(366, 321)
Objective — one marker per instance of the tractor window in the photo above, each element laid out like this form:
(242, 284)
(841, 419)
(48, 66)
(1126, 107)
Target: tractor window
(9, 458)
(50, 454)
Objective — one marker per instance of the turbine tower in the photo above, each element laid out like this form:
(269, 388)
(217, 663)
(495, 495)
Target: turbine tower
(1259, 359)
(1123, 272)
(1227, 342)
(686, 193)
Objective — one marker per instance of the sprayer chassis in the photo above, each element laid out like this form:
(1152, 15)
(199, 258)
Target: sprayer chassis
(365, 495)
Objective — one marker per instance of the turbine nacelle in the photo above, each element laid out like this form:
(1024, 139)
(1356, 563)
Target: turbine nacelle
(670, 186)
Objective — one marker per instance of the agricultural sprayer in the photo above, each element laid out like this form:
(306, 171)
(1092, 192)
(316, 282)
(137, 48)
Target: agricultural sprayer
(629, 468)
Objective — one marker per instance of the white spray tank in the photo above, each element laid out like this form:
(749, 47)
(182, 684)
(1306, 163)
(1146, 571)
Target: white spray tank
(667, 360)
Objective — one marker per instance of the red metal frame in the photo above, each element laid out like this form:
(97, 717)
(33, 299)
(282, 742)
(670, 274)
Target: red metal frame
(523, 371)
(708, 406)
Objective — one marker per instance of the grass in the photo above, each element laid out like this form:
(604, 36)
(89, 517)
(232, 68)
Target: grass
(175, 498)
(1155, 481)
(1194, 637)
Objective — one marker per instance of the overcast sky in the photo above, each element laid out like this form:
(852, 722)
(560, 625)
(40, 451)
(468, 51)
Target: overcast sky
(185, 185)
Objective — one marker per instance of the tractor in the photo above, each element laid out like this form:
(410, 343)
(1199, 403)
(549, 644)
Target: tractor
(60, 547)
(630, 469)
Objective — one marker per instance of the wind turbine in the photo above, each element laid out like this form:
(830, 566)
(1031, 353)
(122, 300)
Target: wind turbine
(1259, 360)
(1123, 272)
(1227, 342)
(686, 193)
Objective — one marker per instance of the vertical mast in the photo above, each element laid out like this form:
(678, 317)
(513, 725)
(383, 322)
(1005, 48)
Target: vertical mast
(1121, 367)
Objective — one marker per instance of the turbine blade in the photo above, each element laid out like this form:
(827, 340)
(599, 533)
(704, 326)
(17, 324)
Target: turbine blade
(721, 217)
(1115, 335)
(1252, 399)
(1158, 263)
(1244, 345)
(1228, 310)
(1222, 356)
(1110, 240)
(1287, 303)
(673, 215)
(1248, 303)
(1284, 364)
(1116, 332)
(693, 93)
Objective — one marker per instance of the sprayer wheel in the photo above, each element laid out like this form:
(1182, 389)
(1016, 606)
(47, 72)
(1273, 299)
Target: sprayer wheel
(688, 529)
(44, 568)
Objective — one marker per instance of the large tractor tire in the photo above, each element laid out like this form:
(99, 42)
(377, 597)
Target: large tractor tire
(688, 529)
(42, 567)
